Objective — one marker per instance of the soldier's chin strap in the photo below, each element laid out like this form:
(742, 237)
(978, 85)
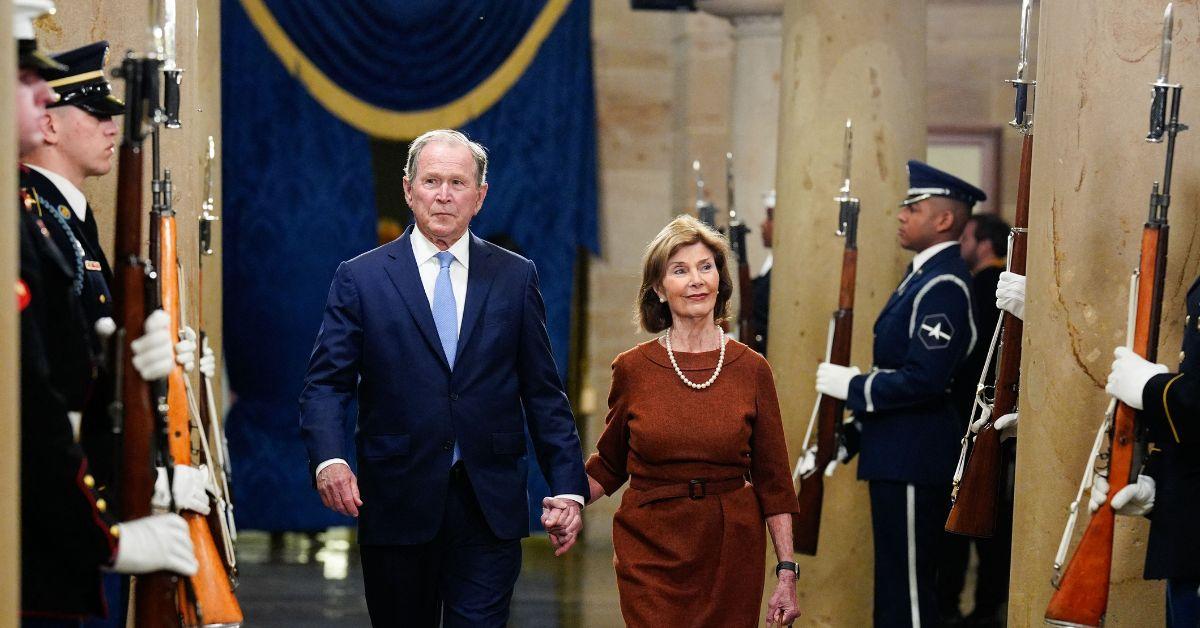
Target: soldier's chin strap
(1089, 472)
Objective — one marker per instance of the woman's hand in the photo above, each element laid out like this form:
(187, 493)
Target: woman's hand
(784, 608)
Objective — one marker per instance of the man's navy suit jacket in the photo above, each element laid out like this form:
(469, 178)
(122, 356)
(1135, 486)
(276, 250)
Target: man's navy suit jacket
(378, 340)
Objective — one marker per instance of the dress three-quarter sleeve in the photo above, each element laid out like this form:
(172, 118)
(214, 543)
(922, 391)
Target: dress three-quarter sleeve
(608, 465)
(768, 450)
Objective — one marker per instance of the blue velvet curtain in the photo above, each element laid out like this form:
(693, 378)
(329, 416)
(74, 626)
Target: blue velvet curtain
(299, 188)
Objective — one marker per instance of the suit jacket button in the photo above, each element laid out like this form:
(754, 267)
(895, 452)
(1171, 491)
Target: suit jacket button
(453, 396)
(448, 445)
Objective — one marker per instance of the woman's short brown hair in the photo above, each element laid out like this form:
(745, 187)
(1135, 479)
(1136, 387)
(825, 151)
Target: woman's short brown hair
(654, 315)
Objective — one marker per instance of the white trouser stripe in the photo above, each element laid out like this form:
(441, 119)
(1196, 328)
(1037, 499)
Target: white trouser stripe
(912, 557)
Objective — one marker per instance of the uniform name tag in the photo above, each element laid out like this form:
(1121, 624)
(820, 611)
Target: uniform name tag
(91, 264)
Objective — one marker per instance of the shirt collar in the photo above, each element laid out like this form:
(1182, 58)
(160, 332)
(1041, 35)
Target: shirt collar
(423, 249)
(924, 256)
(74, 196)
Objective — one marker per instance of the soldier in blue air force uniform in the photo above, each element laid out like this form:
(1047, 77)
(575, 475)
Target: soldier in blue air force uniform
(909, 425)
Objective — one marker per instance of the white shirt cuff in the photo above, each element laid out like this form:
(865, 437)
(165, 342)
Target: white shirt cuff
(321, 467)
(574, 498)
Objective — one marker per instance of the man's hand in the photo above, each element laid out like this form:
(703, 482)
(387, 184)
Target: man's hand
(1135, 500)
(783, 608)
(185, 349)
(208, 361)
(153, 355)
(155, 543)
(1007, 426)
(562, 520)
(834, 379)
(1010, 294)
(339, 489)
(1129, 375)
(189, 483)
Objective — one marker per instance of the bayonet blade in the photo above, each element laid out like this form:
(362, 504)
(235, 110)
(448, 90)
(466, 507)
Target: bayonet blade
(168, 27)
(844, 192)
(1023, 59)
(1164, 60)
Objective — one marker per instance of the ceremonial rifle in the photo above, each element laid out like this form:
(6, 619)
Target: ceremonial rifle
(737, 241)
(1081, 595)
(206, 599)
(977, 480)
(705, 211)
(828, 411)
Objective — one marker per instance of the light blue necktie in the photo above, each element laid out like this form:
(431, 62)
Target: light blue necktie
(445, 317)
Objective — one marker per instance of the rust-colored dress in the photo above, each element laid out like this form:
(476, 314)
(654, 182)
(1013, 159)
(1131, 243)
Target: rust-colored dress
(691, 553)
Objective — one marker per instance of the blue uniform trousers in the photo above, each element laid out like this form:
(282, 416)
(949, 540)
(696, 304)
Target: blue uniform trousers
(908, 523)
(463, 577)
(1183, 603)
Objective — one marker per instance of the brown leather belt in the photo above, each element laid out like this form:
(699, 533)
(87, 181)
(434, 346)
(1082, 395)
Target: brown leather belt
(647, 492)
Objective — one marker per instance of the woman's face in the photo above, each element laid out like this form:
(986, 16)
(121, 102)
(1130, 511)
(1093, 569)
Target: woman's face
(690, 283)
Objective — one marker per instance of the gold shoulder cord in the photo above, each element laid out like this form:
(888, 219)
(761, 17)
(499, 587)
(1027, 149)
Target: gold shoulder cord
(1167, 408)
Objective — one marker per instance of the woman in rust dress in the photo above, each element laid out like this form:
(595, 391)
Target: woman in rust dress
(693, 425)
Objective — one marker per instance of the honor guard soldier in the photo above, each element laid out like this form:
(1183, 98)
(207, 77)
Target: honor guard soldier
(762, 283)
(1168, 489)
(68, 533)
(903, 406)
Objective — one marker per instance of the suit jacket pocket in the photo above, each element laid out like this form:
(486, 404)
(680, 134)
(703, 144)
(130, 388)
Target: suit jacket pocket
(500, 316)
(508, 443)
(381, 446)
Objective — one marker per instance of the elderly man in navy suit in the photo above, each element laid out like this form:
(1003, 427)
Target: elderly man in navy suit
(903, 406)
(442, 337)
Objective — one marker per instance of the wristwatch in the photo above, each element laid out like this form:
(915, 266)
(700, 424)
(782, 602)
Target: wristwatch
(789, 566)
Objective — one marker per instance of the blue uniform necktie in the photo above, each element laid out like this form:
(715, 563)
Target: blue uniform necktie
(445, 317)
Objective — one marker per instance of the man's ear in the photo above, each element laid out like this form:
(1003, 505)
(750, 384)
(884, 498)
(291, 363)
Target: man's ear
(49, 127)
(407, 191)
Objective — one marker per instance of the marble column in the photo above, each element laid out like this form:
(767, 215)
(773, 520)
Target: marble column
(10, 380)
(1092, 176)
(754, 103)
(865, 61)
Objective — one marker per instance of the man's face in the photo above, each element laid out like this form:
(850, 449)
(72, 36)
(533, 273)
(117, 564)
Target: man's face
(969, 246)
(921, 223)
(33, 94)
(443, 194)
(84, 140)
(767, 228)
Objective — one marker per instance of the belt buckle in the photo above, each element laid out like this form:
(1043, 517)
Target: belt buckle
(692, 494)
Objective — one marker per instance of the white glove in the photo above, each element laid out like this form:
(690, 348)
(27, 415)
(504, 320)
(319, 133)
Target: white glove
(155, 543)
(185, 349)
(1129, 375)
(1134, 500)
(105, 327)
(978, 424)
(808, 463)
(208, 361)
(153, 356)
(1010, 294)
(1007, 426)
(189, 483)
(834, 380)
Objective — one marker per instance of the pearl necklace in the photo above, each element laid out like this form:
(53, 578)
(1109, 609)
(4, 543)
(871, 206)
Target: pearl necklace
(690, 383)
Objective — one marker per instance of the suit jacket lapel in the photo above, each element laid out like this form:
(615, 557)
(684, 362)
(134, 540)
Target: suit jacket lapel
(479, 282)
(402, 270)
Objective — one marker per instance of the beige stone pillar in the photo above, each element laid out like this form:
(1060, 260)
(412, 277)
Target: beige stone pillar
(866, 61)
(754, 119)
(1092, 175)
(10, 377)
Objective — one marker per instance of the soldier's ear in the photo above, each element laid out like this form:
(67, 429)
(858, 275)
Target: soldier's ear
(49, 127)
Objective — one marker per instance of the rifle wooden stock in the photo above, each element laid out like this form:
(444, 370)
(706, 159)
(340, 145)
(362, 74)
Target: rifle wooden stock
(1081, 598)
(806, 527)
(745, 317)
(975, 504)
(215, 603)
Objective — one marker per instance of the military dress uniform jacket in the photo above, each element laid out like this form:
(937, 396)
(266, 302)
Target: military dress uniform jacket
(910, 428)
(66, 534)
(79, 242)
(1172, 414)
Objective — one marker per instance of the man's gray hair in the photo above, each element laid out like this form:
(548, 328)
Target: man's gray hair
(448, 136)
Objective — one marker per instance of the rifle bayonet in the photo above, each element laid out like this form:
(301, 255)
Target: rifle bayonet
(1158, 104)
(1022, 117)
(705, 211)
(847, 203)
(207, 217)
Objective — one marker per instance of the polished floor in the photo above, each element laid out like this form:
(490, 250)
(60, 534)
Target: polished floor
(302, 581)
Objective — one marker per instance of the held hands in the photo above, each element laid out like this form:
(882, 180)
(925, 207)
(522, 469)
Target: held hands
(1129, 375)
(1134, 500)
(834, 379)
(189, 484)
(1010, 294)
(562, 519)
(339, 489)
(783, 608)
(155, 543)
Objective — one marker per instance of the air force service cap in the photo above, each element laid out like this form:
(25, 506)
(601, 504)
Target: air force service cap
(28, 55)
(925, 181)
(84, 84)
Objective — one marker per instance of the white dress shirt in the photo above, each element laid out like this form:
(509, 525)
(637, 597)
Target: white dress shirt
(425, 254)
(74, 196)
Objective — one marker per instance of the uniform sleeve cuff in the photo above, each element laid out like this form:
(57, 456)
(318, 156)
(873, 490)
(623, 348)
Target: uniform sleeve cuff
(575, 498)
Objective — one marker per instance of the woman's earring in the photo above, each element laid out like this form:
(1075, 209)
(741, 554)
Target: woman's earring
(662, 299)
